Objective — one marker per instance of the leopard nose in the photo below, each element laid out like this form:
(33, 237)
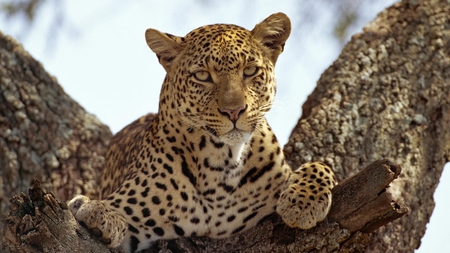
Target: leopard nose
(233, 114)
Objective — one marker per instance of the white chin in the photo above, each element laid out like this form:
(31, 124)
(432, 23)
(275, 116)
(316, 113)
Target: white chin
(235, 137)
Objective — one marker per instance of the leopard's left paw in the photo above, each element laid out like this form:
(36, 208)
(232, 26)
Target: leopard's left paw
(307, 199)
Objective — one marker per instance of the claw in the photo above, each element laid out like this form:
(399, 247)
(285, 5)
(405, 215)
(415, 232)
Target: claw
(75, 204)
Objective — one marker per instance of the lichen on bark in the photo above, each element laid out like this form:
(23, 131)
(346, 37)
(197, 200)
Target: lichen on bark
(44, 134)
(387, 95)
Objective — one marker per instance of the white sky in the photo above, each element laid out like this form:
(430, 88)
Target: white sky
(102, 61)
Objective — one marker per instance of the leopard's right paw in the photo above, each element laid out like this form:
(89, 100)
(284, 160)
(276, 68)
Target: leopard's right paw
(104, 223)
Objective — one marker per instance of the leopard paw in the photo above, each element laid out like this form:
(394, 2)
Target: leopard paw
(106, 224)
(307, 199)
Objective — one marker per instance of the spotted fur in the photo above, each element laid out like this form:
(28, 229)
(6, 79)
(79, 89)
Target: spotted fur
(208, 164)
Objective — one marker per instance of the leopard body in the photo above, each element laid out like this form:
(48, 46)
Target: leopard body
(208, 164)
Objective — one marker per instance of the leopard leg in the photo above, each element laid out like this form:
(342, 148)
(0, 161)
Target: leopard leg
(307, 199)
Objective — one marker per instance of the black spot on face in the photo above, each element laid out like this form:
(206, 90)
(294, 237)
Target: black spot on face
(202, 144)
(134, 242)
(128, 210)
(187, 172)
(133, 229)
(217, 145)
(227, 188)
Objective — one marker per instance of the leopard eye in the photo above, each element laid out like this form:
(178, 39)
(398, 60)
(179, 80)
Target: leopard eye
(250, 71)
(203, 76)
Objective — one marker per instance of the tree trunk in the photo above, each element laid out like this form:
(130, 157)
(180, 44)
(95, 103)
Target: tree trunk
(386, 96)
(44, 134)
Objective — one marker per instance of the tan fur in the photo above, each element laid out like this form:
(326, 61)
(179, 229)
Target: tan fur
(208, 164)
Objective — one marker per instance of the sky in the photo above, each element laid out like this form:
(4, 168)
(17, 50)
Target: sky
(100, 58)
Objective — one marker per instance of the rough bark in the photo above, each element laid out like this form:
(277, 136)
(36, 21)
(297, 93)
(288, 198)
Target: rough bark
(386, 96)
(44, 134)
(40, 223)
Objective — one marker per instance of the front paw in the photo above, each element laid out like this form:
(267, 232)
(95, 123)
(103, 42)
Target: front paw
(104, 223)
(307, 200)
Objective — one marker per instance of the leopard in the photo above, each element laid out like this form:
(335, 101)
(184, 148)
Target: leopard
(208, 163)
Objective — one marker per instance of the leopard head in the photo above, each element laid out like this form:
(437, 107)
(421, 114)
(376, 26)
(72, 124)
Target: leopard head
(220, 78)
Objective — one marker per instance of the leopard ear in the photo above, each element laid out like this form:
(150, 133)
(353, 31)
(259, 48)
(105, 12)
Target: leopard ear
(166, 46)
(272, 33)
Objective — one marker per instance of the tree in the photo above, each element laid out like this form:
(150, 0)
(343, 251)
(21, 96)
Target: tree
(386, 96)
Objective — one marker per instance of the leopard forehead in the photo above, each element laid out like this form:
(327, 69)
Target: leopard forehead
(207, 31)
(225, 46)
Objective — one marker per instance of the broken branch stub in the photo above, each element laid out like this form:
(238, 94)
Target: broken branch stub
(363, 202)
(38, 222)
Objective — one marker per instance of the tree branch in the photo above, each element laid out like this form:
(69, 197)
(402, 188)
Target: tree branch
(41, 223)
(363, 202)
